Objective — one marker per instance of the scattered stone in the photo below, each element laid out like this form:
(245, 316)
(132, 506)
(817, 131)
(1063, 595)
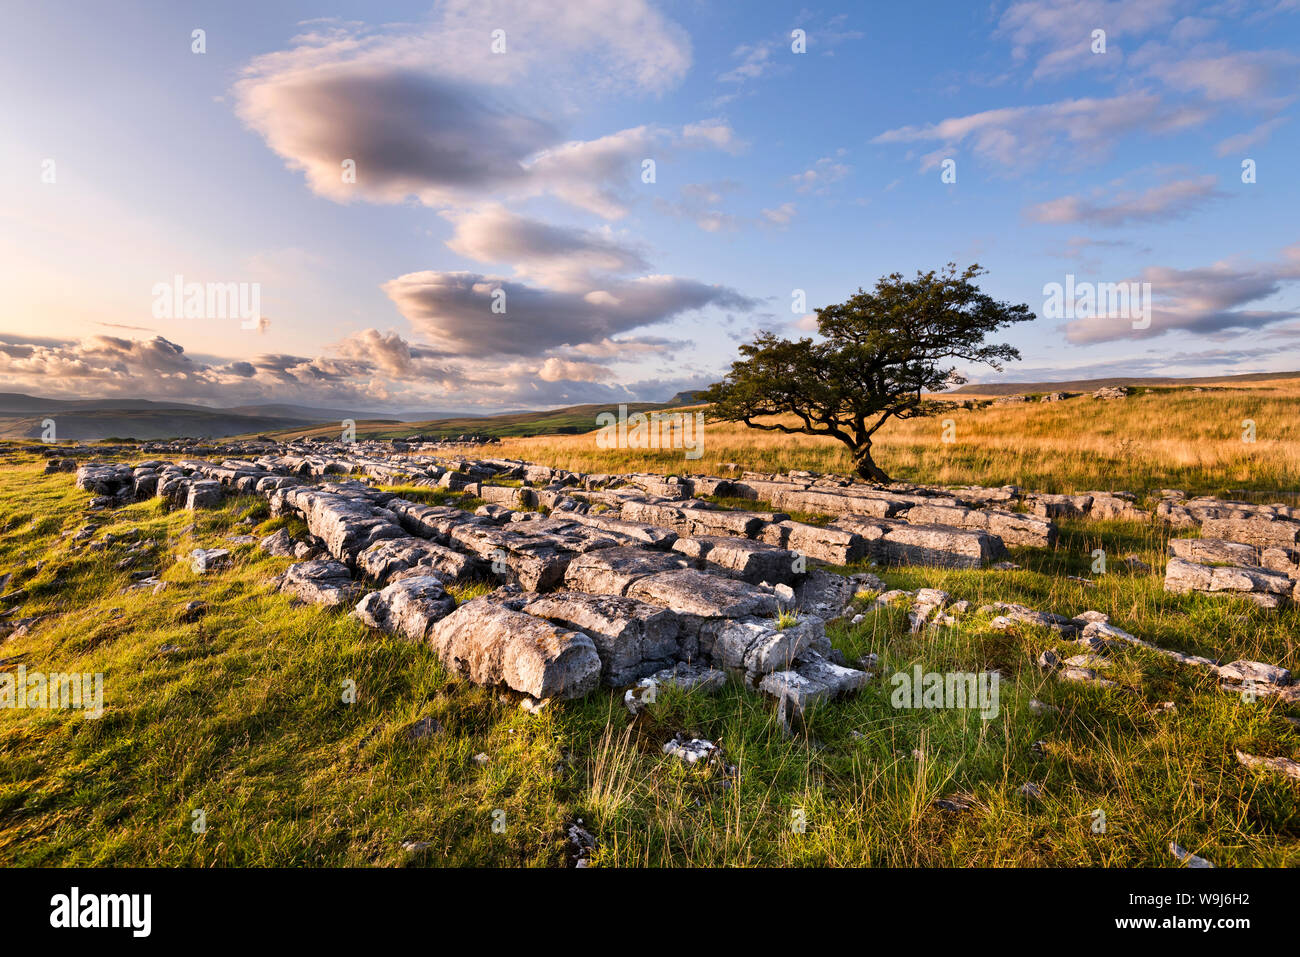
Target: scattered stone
(956, 803)
(581, 844)
(279, 543)
(1187, 857)
(409, 607)
(320, 582)
(490, 644)
(690, 750)
(1134, 564)
(192, 611)
(423, 729)
(1278, 765)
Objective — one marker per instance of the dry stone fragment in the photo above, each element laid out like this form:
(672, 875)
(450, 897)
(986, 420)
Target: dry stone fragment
(321, 582)
(490, 644)
(1187, 857)
(1285, 766)
(633, 638)
(408, 607)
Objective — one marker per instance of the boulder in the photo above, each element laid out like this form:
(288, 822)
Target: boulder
(941, 545)
(758, 646)
(1260, 530)
(1266, 588)
(489, 644)
(1257, 671)
(409, 607)
(812, 679)
(741, 558)
(835, 545)
(632, 638)
(104, 478)
(321, 582)
(205, 493)
(279, 543)
(1014, 528)
(611, 571)
(695, 593)
(1211, 551)
(829, 596)
(393, 557)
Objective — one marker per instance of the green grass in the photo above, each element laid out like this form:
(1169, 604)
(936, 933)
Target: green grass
(247, 722)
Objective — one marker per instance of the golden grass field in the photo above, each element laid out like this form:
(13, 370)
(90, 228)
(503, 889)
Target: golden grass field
(1162, 438)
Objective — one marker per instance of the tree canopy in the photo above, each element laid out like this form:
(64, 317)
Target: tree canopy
(879, 353)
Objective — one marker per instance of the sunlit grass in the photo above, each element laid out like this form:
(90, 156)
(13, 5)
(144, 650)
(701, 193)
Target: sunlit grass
(241, 714)
(1166, 439)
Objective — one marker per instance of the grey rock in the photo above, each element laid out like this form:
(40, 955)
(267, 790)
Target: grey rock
(741, 558)
(611, 571)
(1254, 671)
(1249, 581)
(489, 644)
(691, 592)
(394, 558)
(1283, 766)
(812, 679)
(279, 543)
(633, 638)
(1187, 857)
(409, 607)
(321, 582)
(759, 647)
(192, 611)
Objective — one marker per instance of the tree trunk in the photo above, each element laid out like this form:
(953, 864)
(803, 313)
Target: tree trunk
(867, 468)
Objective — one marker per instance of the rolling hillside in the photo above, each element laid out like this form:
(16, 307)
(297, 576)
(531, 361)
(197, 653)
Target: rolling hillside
(571, 420)
(1092, 385)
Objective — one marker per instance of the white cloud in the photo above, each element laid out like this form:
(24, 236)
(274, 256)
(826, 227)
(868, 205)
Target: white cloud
(1157, 204)
(1022, 137)
(1208, 301)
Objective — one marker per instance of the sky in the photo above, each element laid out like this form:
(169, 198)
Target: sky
(487, 205)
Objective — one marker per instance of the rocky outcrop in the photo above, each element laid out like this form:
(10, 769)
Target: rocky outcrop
(322, 582)
(891, 542)
(1269, 589)
(633, 639)
(489, 644)
(1014, 528)
(409, 607)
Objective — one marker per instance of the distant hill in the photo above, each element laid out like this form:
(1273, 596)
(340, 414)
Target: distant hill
(92, 424)
(1092, 385)
(16, 403)
(22, 416)
(573, 420)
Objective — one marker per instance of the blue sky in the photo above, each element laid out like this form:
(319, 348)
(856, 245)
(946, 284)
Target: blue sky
(522, 171)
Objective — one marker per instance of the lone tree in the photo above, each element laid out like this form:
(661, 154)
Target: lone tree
(879, 352)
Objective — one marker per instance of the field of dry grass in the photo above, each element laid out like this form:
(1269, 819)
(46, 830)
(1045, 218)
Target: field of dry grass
(1162, 438)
